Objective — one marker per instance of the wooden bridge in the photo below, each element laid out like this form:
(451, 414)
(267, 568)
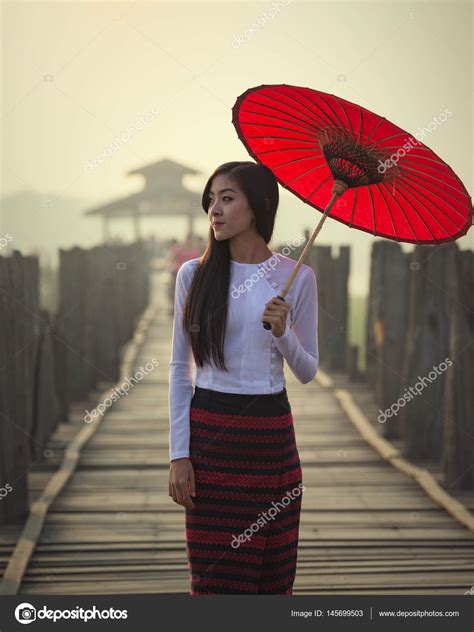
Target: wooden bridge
(103, 523)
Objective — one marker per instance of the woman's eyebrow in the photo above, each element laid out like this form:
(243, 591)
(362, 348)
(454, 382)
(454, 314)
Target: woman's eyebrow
(222, 191)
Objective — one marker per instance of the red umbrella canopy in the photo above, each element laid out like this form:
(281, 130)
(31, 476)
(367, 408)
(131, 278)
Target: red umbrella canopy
(397, 187)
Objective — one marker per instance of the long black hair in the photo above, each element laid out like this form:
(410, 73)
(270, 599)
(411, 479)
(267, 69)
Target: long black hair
(205, 310)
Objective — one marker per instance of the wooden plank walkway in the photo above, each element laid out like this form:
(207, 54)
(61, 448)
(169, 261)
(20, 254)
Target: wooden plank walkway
(365, 527)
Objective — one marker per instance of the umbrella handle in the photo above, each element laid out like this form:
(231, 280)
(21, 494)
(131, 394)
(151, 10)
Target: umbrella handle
(267, 325)
(338, 189)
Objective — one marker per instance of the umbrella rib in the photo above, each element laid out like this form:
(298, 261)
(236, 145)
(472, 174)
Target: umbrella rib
(360, 126)
(372, 209)
(408, 176)
(307, 129)
(432, 192)
(306, 132)
(325, 115)
(436, 162)
(388, 209)
(289, 162)
(366, 143)
(318, 187)
(419, 147)
(429, 171)
(414, 148)
(341, 123)
(300, 175)
(381, 140)
(411, 191)
(447, 167)
(383, 184)
(422, 218)
(354, 205)
(308, 122)
(300, 140)
(279, 148)
(429, 175)
(287, 129)
(419, 160)
(353, 134)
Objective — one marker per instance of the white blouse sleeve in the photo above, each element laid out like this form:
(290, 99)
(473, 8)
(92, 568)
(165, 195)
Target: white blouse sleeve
(181, 371)
(299, 343)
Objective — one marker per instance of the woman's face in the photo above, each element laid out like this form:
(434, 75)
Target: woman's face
(228, 206)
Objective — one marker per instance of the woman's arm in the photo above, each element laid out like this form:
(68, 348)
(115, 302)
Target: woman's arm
(299, 343)
(181, 371)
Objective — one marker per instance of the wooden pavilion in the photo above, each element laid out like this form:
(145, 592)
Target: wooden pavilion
(163, 195)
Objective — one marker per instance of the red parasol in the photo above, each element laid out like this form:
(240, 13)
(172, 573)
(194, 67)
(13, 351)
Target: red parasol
(321, 147)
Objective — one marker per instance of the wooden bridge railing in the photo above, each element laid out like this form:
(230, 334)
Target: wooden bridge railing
(419, 345)
(420, 334)
(48, 361)
(102, 292)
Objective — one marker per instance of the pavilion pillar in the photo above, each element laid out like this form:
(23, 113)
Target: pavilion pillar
(136, 226)
(105, 229)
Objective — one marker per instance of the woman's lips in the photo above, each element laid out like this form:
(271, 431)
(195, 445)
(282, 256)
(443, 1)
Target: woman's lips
(218, 225)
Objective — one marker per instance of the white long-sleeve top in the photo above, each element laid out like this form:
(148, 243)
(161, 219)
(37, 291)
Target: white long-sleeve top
(252, 354)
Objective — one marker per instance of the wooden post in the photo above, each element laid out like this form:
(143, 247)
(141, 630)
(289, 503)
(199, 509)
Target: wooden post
(457, 456)
(19, 315)
(386, 328)
(46, 410)
(332, 276)
(427, 346)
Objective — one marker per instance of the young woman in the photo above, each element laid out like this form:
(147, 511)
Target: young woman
(234, 462)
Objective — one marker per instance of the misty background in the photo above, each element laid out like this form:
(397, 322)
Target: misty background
(81, 77)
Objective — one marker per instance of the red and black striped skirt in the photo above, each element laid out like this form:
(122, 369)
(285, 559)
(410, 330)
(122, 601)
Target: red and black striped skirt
(242, 535)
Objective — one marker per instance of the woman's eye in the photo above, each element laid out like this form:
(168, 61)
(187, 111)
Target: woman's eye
(226, 197)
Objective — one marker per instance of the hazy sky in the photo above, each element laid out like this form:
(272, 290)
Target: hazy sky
(76, 75)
